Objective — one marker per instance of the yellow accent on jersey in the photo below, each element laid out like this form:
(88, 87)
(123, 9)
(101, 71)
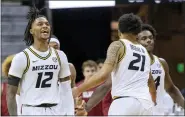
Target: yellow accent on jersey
(160, 63)
(124, 52)
(28, 62)
(58, 58)
(37, 55)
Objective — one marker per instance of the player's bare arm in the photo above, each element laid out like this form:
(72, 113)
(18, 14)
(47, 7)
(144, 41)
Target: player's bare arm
(172, 90)
(111, 61)
(6, 65)
(73, 74)
(13, 83)
(99, 94)
(152, 88)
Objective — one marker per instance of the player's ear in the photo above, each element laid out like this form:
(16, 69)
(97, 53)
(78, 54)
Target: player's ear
(31, 31)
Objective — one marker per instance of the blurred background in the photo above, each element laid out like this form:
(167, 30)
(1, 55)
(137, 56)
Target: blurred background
(85, 29)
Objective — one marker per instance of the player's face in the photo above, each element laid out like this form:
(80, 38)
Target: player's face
(146, 39)
(100, 65)
(89, 71)
(41, 28)
(54, 45)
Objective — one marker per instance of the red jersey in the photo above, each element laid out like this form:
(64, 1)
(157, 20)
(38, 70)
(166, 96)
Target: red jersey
(106, 102)
(4, 108)
(97, 110)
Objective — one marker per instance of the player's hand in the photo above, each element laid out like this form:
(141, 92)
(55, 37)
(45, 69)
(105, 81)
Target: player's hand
(80, 107)
(76, 92)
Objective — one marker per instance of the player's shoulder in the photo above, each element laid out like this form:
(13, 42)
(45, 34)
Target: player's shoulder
(61, 53)
(117, 43)
(115, 46)
(163, 62)
(20, 55)
(71, 65)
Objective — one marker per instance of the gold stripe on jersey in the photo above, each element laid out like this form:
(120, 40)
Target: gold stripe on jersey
(64, 79)
(58, 58)
(28, 62)
(151, 60)
(161, 63)
(122, 55)
(37, 55)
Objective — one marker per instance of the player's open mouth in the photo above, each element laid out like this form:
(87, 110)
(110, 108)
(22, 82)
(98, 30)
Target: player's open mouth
(45, 31)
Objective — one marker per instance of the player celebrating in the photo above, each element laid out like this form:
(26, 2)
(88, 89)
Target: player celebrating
(129, 65)
(160, 72)
(38, 69)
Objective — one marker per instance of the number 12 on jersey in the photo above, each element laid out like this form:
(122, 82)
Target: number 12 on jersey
(43, 84)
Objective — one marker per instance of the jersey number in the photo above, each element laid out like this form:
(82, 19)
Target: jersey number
(131, 65)
(42, 83)
(157, 82)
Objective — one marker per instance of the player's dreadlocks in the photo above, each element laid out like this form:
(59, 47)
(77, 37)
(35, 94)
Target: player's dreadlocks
(32, 15)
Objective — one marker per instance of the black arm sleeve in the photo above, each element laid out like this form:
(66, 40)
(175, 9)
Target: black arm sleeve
(12, 80)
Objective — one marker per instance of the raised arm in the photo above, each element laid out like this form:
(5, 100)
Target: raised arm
(111, 61)
(170, 88)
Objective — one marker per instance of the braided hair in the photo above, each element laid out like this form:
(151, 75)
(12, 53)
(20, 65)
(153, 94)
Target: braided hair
(33, 14)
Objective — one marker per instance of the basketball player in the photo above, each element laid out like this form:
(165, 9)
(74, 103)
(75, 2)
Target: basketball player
(67, 106)
(54, 42)
(38, 69)
(5, 69)
(129, 65)
(160, 72)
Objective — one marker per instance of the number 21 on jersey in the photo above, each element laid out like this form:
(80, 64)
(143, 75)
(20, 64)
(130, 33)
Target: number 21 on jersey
(139, 59)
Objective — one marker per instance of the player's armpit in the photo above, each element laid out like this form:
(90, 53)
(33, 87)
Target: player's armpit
(12, 87)
(152, 88)
(172, 90)
(113, 53)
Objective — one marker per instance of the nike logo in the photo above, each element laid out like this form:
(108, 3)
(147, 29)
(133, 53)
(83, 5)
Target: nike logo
(34, 61)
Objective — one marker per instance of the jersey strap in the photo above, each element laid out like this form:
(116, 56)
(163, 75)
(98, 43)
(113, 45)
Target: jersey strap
(58, 57)
(121, 56)
(28, 62)
(37, 55)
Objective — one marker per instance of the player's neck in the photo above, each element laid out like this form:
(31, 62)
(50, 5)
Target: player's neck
(41, 46)
(129, 37)
(151, 55)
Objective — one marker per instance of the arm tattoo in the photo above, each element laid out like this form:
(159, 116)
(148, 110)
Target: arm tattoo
(11, 101)
(113, 53)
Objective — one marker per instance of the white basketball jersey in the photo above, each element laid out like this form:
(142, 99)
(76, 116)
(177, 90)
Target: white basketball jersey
(130, 77)
(158, 74)
(39, 83)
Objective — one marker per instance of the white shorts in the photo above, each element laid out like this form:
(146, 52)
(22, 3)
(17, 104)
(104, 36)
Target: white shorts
(128, 106)
(54, 110)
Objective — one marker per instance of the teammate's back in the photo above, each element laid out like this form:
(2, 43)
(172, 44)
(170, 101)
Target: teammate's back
(130, 77)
